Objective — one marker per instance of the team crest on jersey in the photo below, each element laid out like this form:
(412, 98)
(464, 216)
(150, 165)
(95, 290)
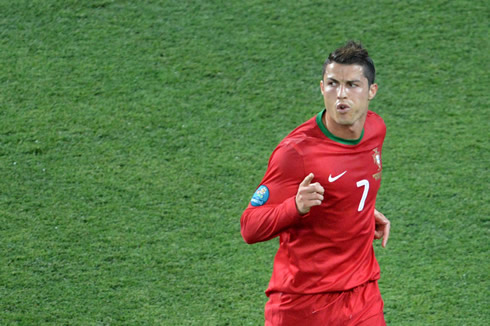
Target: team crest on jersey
(260, 196)
(377, 161)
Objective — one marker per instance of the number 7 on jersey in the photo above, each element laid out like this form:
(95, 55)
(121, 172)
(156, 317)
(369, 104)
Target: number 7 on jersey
(363, 183)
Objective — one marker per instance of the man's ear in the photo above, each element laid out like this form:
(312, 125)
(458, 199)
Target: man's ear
(372, 91)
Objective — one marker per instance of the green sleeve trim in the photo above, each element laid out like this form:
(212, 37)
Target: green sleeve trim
(327, 133)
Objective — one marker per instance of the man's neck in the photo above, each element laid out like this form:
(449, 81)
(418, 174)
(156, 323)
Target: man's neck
(349, 132)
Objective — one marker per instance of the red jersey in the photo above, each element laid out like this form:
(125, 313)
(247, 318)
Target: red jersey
(330, 248)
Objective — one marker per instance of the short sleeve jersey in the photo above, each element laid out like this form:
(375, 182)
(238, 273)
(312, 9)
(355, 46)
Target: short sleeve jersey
(330, 248)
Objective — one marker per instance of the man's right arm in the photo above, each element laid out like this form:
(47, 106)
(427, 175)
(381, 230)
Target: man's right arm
(287, 199)
(266, 222)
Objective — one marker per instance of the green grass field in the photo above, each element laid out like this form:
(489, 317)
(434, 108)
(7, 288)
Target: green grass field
(134, 133)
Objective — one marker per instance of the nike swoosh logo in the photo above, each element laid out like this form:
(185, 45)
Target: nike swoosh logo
(333, 179)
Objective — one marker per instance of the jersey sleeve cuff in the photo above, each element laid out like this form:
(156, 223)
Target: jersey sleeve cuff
(293, 210)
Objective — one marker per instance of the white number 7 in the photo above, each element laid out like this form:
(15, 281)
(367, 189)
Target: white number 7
(363, 183)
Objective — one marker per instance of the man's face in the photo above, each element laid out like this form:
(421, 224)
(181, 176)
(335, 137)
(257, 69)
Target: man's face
(346, 94)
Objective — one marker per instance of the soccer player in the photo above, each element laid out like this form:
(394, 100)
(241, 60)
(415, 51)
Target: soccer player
(318, 195)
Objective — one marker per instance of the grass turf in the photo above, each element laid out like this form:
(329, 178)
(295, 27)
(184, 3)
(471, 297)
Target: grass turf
(132, 136)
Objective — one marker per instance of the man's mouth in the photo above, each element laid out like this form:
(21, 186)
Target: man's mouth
(342, 108)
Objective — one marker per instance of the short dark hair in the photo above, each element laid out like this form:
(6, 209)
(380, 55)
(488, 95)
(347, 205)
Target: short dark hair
(353, 53)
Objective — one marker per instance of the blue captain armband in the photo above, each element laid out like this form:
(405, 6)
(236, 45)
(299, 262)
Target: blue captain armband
(260, 196)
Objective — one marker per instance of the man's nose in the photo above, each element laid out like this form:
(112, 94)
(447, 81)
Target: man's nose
(341, 92)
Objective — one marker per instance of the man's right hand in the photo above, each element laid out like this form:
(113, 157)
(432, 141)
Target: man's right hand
(309, 194)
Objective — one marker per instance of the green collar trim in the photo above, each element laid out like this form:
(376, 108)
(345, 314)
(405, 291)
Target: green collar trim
(327, 133)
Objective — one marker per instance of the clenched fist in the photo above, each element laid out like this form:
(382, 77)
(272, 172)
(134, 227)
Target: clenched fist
(309, 194)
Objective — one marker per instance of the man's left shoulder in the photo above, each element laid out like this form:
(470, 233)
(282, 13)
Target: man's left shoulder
(375, 120)
(375, 126)
(371, 115)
